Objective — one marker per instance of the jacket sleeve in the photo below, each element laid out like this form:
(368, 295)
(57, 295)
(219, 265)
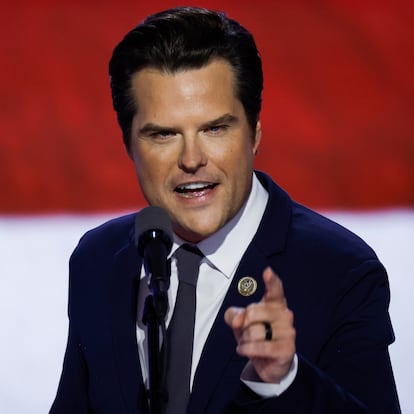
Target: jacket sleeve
(72, 396)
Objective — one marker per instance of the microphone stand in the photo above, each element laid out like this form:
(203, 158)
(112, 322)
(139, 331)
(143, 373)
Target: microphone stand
(153, 239)
(155, 309)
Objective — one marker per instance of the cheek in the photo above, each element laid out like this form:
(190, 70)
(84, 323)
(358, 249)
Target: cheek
(239, 159)
(144, 169)
(236, 151)
(145, 160)
(153, 169)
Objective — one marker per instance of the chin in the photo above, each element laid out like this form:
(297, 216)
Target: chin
(195, 234)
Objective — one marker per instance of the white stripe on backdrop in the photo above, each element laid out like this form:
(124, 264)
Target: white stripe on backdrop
(34, 254)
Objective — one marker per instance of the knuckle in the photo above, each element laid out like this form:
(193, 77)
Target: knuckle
(246, 335)
(251, 311)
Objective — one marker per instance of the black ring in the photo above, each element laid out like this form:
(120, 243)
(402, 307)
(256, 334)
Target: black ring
(268, 331)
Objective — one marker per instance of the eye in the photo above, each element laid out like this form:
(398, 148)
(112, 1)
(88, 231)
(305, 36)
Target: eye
(162, 134)
(216, 129)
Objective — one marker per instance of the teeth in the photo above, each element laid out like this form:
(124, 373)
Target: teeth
(193, 186)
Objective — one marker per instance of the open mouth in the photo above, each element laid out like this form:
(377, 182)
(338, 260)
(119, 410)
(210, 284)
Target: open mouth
(194, 189)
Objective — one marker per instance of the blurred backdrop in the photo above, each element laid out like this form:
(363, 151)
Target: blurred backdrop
(338, 135)
(338, 102)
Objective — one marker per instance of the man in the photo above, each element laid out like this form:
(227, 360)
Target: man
(186, 86)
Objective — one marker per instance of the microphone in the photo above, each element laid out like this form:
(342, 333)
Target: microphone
(154, 240)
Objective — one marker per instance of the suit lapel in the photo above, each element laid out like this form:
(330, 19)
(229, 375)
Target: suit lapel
(220, 348)
(124, 312)
(219, 356)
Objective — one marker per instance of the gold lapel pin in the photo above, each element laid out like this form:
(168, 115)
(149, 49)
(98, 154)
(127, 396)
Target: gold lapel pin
(247, 286)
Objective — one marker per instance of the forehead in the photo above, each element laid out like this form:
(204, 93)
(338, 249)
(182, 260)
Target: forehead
(207, 92)
(216, 75)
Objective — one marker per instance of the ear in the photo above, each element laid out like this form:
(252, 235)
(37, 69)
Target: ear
(257, 137)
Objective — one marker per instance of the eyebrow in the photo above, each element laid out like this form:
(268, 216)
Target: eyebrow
(151, 128)
(224, 119)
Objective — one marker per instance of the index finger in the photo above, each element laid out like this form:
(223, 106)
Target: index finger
(273, 286)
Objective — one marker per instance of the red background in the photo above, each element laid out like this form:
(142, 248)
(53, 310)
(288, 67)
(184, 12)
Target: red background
(338, 113)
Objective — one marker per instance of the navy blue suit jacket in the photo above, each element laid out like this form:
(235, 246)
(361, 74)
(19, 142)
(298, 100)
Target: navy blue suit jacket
(334, 284)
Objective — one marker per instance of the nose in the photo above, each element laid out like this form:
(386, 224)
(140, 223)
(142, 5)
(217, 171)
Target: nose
(192, 156)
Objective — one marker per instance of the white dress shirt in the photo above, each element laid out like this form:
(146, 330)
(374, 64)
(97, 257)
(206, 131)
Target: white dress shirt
(223, 252)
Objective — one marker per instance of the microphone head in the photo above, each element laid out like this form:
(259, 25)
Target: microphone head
(152, 220)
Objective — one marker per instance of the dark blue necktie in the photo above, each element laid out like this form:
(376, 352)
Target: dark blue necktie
(180, 332)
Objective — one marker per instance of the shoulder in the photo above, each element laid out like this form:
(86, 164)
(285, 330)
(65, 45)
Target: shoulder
(334, 258)
(92, 261)
(307, 233)
(108, 237)
(321, 234)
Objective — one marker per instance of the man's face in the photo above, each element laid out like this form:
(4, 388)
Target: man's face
(192, 146)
